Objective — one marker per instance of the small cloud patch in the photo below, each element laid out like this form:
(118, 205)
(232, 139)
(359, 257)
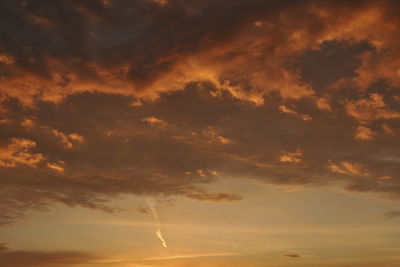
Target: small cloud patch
(153, 121)
(392, 214)
(292, 255)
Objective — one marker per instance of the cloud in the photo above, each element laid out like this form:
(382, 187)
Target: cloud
(137, 160)
(220, 197)
(386, 177)
(68, 140)
(143, 210)
(56, 166)
(17, 151)
(158, 226)
(370, 109)
(190, 256)
(292, 255)
(323, 104)
(291, 156)
(161, 2)
(232, 55)
(155, 121)
(40, 258)
(364, 133)
(387, 129)
(236, 96)
(212, 135)
(346, 167)
(392, 214)
(287, 110)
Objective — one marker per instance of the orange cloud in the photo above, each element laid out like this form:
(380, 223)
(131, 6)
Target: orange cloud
(155, 121)
(212, 135)
(58, 166)
(364, 133)
(369, 109)
(68, 140)
(291, 156)
(287, 110)
(18, 151)
(161, 2)
(246, 57)
(387, 129)
(323, 104)
(5, 59)
(346, 167)
(217, 80)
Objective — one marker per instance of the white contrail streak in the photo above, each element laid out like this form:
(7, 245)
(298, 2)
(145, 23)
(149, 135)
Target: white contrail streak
(158, 226)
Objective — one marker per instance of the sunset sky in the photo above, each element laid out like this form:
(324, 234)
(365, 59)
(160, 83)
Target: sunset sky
(201, 133)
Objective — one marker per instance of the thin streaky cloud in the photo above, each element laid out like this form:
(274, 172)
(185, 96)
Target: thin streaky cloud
(158, 226)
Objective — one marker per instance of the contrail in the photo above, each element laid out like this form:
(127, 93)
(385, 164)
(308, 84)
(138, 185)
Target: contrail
(158, 226)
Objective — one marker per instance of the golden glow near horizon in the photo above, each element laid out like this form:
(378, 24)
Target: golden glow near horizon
(199, 133)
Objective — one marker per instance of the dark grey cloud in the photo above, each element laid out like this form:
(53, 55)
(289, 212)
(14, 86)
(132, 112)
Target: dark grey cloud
(205, 138)
(392, 214)
(140, 46)
(281, 92)
(41, 258)
(292, 255)
(332, 62)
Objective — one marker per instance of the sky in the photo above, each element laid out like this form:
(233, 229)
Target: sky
(199, 133)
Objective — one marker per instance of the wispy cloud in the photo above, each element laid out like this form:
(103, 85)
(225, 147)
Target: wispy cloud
(188, 256)
(158, 226)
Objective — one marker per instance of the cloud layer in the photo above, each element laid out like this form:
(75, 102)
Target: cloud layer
(101, 98)
(21, 258)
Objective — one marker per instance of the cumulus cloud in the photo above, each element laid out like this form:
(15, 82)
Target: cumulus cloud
(291, 156)
(323, 104)
(68, 140)
(80, 116)
(369, 109)
(212, 135)
(155, 121)
(364, 133)
(18, 151)
(237, 57)
(135, 159)
(346, 167)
